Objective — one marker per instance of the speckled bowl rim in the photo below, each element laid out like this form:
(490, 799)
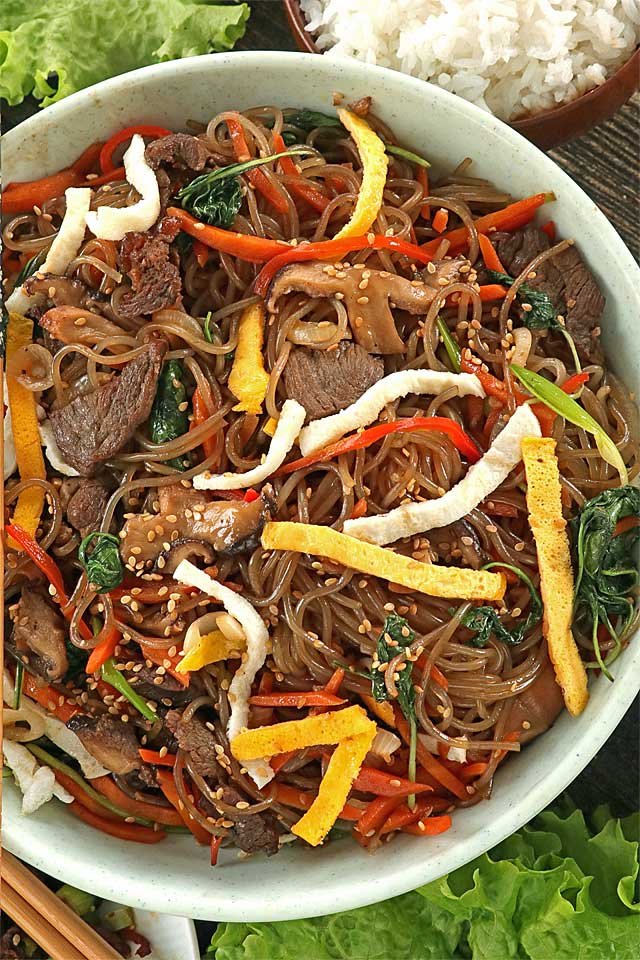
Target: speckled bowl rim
(174, 876)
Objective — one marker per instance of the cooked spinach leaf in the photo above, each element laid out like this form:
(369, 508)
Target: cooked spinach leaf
(396, 635)
(103, 565)
(605, 537)
(77, 660)
(169, 418)
(30, 268)
(485, 621)
(543, 314)
(216, 196)
(184, 242)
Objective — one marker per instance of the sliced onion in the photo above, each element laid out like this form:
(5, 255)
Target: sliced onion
(231, 628)
(385, 743)
(307, 333)
(32, 366)
(199, 628)
(22, 725)
(522, 340)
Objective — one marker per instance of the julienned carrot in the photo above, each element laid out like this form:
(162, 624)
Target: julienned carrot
(550, 229)
(359, 509)
(473, 770)
(215, 849)
(375, 814)
(489, 254)
(242, 245)
(49, 698)
(626, 524)
(145, 130)
(102, 652)
(334, 682)
(303, 799)
(158, 759)
(357, 441)
(383, 784)
(509, 218)
(423, 179)
(120, 828)
(143, 592)
(438, 677)
(257, 176)
(160, 656)
(167, 785)
(299, 185)
(403, 815)
(306, 698)
(433, 766)
(201, 253)
(84, 798)
(492, 291)
(335, 250)
(429, 826)
(167, 816)
(440, 220)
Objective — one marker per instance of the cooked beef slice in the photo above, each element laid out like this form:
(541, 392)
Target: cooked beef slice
(39, 635)
(155, 277)
(86, 504)
(565, 278)
(325, 381)
(98, 425)
(196, 740)
(172, 157)
(255, 833)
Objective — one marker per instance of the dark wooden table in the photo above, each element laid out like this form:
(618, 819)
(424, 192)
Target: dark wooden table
(605, 164)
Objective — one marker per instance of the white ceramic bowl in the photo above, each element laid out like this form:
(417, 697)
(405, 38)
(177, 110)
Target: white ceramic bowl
(175, 876)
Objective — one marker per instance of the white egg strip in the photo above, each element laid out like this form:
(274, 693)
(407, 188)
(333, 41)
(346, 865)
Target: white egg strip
(367, 407)
(481, 480)
(289, 425)
(64, 248)
(257, 635)
(37, 784)
(111, 223)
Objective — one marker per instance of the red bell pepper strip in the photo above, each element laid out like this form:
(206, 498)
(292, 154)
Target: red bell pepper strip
(306, 698)
(167, 816)
(21, 197)
(375, 814)
(145, 130)
(383, 784)
(509, 218)
(429, 827)
(472, 770)
(167, 785)
(157, 759)
(242, 245)
(50, 568)
(49, 698)
(440, 220)
(550, 229)
(160, 656)
(357, 441)
(215, 849)
(257, 176)
(489, 254)
(299, 186)
(88, 159)
(336, 250)
(302, 800)
(120, 829)
(201, 413)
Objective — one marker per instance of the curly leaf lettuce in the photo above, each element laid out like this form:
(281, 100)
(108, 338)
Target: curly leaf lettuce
(557, 888)
(53, 49)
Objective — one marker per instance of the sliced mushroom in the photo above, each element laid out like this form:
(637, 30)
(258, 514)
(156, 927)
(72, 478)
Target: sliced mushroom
(227, 526)
(39, 636)
(145, 679)
(184, 549)
(368, 296)
(76, 325)
(112, 742)
(535, 709)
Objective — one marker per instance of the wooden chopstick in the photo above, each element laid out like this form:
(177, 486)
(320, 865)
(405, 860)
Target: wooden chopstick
(88, 945)
(46, 936)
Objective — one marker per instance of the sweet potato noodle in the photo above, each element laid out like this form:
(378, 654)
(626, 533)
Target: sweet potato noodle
(473, 703)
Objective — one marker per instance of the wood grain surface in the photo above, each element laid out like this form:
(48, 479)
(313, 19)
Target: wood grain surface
(605, 162)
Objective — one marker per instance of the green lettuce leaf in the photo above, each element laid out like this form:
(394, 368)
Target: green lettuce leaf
(559, 888)
(53, 49)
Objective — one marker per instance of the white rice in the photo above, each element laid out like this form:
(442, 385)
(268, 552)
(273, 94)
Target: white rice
(511, 57)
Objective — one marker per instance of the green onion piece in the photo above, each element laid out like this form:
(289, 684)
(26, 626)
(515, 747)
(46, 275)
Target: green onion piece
(80, 902)
(574, 353)
(17, 691)
(234, 170)
(110, 675)
(406, 155)
(450, 345)
(120, 919)
(412, 765)
(566, 407)
(207, 328)
(56, 764)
